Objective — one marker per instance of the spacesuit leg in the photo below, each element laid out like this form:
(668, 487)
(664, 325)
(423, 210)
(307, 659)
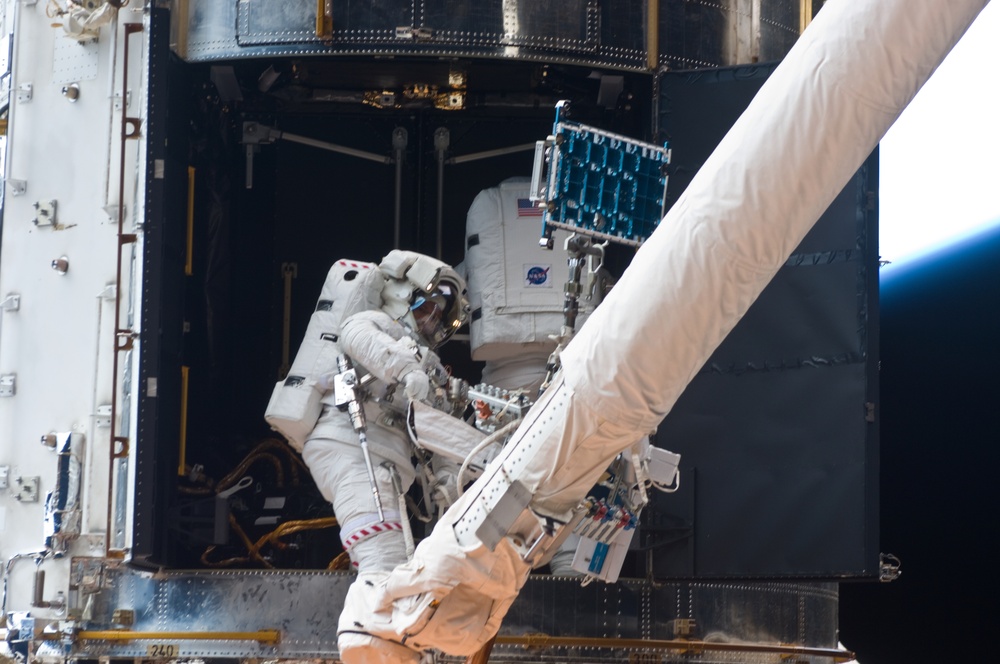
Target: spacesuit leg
(340, 473)
(375, 547)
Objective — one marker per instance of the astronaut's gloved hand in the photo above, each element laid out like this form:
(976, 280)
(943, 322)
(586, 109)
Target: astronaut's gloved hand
(325, 382)
(431, 364)
(416, 386)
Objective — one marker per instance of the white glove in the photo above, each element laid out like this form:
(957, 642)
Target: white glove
(325, 382)
(416, 386)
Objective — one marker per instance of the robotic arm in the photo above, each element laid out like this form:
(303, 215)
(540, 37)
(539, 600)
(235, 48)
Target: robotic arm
(841, 87)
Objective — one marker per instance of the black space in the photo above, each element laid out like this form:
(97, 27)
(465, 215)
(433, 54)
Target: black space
(940, 328)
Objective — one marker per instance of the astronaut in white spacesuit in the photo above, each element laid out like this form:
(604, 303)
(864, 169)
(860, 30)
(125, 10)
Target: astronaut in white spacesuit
(387, 343)
(385, 320)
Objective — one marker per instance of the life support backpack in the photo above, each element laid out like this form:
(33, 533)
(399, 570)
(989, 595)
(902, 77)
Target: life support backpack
(295, 405)
(515, 286)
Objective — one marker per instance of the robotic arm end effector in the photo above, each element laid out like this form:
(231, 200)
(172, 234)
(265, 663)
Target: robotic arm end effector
(471, 567)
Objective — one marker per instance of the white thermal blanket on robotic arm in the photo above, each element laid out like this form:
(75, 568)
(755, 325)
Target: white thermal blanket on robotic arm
(813, 123)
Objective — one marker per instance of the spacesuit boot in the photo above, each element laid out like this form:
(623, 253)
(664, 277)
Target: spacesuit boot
(355, 644)
(358, 648)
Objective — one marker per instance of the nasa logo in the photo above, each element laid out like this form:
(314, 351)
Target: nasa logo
(537, 275)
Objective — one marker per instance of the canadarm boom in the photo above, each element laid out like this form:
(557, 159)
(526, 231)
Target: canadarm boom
(817, 118)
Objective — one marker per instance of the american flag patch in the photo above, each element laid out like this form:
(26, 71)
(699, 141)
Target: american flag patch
(525, 208)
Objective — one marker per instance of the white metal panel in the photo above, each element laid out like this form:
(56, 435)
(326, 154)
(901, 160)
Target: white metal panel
(59, 342)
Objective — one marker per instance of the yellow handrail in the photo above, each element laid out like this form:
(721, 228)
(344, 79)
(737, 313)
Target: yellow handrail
(265, 636)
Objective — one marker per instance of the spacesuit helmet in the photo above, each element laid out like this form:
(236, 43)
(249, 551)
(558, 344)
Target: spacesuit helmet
(425, 294)
(438, 314)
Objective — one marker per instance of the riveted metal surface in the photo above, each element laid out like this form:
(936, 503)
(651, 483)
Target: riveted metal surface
(304, 607)
(276, 22)
(696, 34)
(692, 33)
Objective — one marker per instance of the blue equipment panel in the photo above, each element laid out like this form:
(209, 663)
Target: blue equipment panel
(600, 184)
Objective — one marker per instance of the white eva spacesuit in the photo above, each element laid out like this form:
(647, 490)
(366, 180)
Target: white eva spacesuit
(386, 319)
(515, 287)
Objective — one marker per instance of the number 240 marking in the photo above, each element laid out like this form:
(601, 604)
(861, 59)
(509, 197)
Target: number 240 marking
(162, 650)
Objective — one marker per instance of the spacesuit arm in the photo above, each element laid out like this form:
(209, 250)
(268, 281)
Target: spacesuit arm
(381, 345)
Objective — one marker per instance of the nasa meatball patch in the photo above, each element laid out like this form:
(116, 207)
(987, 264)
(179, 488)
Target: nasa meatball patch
(537, 276)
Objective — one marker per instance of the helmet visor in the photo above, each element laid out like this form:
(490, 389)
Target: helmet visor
(438, 315)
